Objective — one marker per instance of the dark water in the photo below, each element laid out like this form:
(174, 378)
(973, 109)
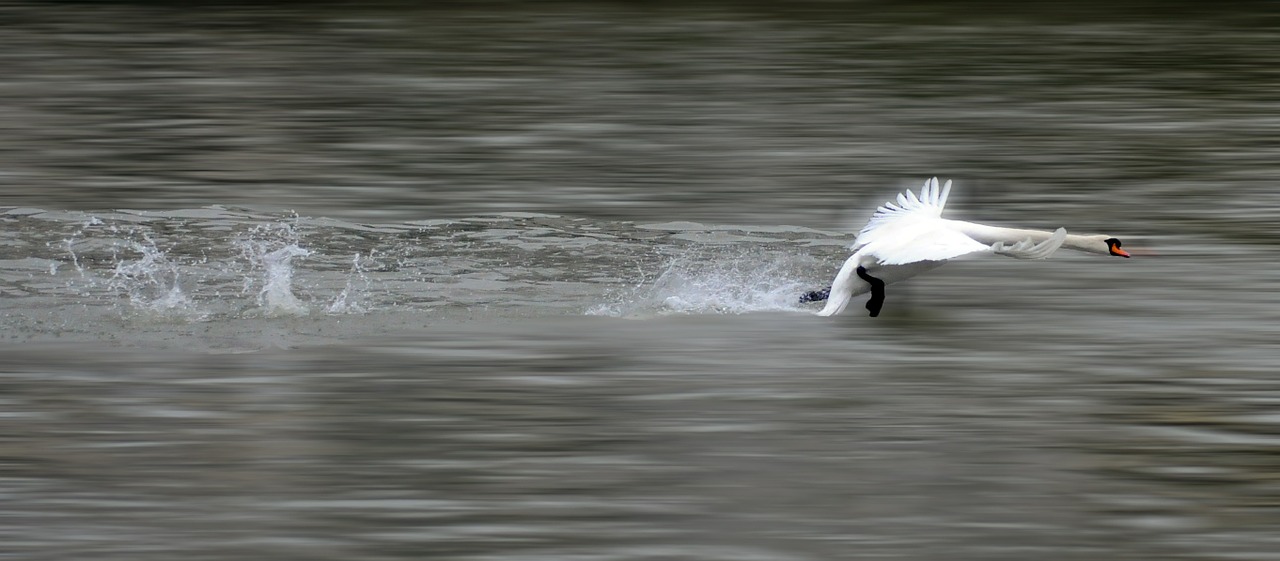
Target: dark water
(538, 297)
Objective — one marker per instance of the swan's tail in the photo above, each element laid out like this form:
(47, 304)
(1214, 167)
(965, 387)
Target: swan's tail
(815, 295)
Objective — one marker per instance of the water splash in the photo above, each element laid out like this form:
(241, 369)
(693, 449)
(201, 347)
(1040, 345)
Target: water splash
(152, 283)
(349, 300)
(270, 250)
(69, 244)
(695, 283)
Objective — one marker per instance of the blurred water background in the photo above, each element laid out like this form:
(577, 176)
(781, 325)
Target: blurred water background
(509, 282)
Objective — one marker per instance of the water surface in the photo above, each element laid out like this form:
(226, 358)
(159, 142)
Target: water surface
(508, 284)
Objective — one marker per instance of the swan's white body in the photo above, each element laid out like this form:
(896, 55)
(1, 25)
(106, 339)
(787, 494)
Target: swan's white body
(910, 237)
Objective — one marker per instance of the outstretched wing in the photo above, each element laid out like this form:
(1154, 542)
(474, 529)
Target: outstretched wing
(935, 241)
(1026, 249)
(912, 230)
(922, 241)
(909, 208)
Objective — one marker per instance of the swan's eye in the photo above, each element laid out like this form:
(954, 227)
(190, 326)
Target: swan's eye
(1113, 247)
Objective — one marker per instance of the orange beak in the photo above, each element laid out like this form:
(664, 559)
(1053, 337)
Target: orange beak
(1117, 251)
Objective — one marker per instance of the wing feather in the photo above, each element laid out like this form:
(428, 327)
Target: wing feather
(909, 207)
(1027, 249)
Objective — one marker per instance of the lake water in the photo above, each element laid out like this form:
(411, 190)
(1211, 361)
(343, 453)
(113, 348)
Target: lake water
(513, 282)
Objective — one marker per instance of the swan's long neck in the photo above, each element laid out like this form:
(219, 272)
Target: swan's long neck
(993, 234)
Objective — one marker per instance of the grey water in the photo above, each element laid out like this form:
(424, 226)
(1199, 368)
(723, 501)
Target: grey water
(512, 282)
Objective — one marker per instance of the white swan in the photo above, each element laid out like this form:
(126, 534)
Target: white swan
(908, 238)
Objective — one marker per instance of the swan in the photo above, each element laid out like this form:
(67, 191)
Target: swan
(905, 239)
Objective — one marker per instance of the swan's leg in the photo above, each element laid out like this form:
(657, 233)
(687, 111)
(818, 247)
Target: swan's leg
(815, 295)
(877, 291)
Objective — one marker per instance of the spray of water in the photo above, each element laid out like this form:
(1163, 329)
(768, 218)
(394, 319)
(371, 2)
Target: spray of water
(69, 245)
(141, 274)
(706, 282)
(151, 282)
(270, 250)
(349, 300)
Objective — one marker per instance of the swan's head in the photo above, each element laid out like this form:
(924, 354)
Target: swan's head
(1113, 247)
(1100, 244)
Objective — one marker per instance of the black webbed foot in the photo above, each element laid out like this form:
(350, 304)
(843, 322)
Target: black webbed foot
(877, 291)
(815, 295)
